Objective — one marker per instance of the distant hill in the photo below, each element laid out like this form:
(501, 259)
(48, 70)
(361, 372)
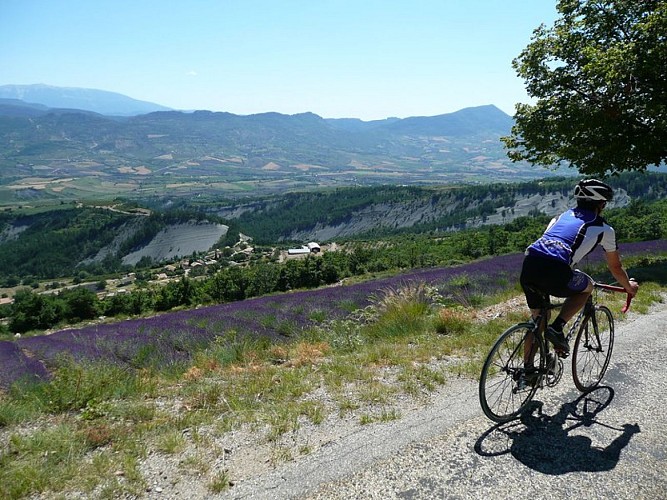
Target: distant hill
(357, 125)
(477, 121)
(98, 101)
(68, 154)
(17, 107)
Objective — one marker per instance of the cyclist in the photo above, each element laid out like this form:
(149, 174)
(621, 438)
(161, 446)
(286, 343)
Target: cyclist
(548, 267)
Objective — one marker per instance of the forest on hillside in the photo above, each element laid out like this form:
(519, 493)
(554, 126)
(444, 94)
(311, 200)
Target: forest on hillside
(274, 219)
(57, 243)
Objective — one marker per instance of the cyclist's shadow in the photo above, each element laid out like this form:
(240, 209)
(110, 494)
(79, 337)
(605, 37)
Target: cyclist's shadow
(546, 443)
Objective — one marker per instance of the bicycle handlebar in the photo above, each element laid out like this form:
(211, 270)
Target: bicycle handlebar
(613, 288)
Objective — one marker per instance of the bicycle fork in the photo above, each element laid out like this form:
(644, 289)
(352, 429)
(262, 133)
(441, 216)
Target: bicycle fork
(591, 338)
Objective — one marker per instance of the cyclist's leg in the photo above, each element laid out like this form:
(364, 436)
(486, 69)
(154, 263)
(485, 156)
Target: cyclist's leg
(577, 290)
(536, 301)
(532, 286)
(540, 315)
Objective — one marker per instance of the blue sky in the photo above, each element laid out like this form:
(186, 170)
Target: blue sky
(367, 59)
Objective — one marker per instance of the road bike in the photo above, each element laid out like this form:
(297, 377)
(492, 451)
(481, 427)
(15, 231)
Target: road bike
(521, 361)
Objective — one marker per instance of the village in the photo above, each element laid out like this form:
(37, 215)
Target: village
(239, 255)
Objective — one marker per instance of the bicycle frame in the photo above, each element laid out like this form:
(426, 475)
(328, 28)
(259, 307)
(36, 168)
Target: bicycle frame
(591, 337)
(585, 311)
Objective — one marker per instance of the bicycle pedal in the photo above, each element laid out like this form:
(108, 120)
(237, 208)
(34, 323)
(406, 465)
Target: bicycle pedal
(562, 354)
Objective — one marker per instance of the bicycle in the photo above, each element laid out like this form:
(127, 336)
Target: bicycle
(521, 361)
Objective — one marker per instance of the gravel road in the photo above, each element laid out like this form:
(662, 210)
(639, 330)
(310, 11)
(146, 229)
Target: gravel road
(608, 444)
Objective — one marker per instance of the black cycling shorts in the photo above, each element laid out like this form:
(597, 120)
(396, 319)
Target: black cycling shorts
(540, 276)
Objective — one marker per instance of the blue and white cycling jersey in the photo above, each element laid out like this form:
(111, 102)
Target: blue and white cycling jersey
(573, 235)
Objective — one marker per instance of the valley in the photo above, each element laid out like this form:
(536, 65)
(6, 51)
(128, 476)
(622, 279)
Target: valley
(49, 155)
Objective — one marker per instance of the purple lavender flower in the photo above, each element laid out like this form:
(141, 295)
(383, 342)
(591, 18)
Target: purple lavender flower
(16, 365)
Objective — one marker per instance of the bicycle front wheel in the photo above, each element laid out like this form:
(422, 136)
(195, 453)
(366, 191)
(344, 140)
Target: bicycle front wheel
(511, 373)
(592, 349)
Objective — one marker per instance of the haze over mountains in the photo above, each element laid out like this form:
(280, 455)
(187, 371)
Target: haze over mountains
(97, 101)
(70, 143)
(44, 98)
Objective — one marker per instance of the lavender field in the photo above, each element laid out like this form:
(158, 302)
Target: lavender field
(173, 337)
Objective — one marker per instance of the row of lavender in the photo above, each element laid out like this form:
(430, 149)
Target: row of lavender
(174, 336)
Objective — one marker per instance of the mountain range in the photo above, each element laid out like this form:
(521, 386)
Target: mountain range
(68, 153)
(98, 101)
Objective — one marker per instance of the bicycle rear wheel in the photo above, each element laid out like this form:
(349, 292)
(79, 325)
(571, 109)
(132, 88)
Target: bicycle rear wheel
(503, 392)
(592, 349)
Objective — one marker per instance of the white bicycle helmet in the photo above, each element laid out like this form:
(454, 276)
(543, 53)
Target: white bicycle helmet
(593, 190)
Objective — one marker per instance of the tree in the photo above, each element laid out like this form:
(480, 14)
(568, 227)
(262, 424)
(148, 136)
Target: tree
(81, 304)
(599, 77)
(32, 311)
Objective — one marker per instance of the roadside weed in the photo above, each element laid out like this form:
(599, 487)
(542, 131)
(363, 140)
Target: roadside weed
(171, 442)
(219, 482)
(451, 321)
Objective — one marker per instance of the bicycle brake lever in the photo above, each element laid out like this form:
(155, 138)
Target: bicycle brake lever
(627, 300)
(627, 304)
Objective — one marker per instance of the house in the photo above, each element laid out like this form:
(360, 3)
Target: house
(128, 279)
(311, 247)
(304, 250)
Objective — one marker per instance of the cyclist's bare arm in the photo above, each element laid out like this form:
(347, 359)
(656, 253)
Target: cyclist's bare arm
(616, 267)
